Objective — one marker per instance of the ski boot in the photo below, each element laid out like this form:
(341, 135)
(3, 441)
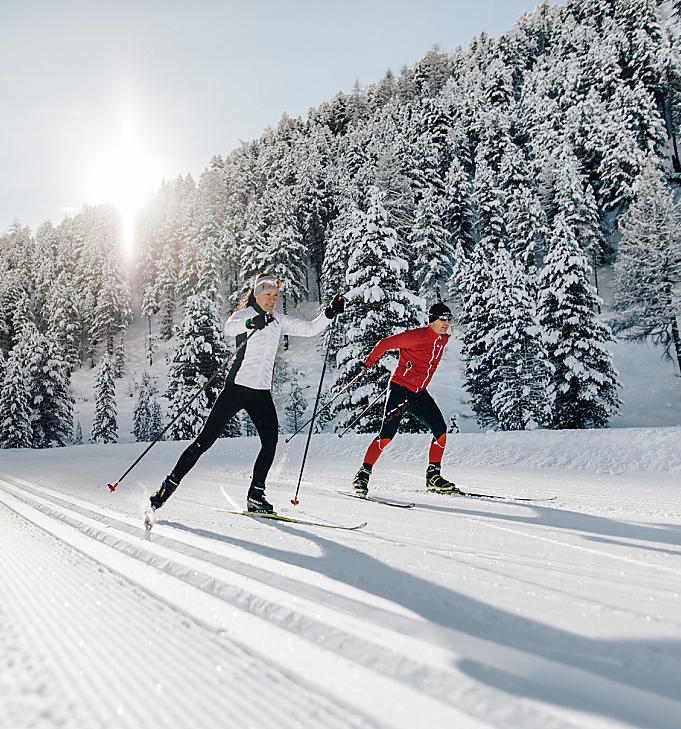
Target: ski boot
(256, 500)
(164, 493)
(435, 482)
(157, 500)
(361, 482)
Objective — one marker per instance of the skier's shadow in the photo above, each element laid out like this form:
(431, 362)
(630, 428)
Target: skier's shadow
(584, 524)
(625, 662)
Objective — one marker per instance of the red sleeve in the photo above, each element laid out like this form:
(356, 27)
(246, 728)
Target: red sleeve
(396, 341)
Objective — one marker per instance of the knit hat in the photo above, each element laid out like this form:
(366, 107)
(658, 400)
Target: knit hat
(264, 281)
(437, 310)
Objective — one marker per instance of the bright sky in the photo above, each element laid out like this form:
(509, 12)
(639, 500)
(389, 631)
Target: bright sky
(101, 100)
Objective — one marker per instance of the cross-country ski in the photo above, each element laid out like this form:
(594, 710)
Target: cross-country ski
(380, 500)
(292, 520)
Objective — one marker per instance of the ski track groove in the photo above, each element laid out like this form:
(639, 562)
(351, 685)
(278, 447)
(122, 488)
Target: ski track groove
(103, 646)
(466, 697)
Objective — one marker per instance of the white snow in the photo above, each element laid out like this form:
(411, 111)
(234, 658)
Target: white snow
(457, 613)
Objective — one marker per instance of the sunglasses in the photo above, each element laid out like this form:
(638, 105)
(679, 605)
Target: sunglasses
(445, 317)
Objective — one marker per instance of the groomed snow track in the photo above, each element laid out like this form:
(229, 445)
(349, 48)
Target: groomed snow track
(181, 628)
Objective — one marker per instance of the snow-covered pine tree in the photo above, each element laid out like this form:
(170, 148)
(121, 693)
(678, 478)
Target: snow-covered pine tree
(648, 266)
(430, 245)
(517, 360)
(379, 305)
(146, 418)
(166, 284)
(63, 318)
(296, 405)
(119, 358)
(104, 424)
(199, 352)
(113, 311)
(77, 434)
(15, 403)
(475, 291)
(51, 400)
(457, 216)
(584, 380)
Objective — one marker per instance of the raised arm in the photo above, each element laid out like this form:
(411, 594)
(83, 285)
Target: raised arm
(301, 328)
(396, 341)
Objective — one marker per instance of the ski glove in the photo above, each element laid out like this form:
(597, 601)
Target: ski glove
(260, 321)
(335, 307)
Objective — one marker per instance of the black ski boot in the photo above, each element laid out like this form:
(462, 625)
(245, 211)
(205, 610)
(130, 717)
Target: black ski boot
(435, 482)
(361, 482)
(164, 493)
(256, 500)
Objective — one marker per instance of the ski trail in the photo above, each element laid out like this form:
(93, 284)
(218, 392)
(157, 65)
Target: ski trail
(370, 642)
(112, 655)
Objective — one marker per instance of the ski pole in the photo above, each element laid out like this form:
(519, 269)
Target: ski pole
(112, 487)
(367, 408)
(294, 500)
(326, 405)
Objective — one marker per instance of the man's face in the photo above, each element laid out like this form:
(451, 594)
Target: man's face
(440, 326)
(267, 299)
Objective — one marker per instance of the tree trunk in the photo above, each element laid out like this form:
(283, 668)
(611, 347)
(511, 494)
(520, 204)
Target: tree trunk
(677, 341)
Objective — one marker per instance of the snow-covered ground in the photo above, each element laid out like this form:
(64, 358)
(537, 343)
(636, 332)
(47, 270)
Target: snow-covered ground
(457, 613)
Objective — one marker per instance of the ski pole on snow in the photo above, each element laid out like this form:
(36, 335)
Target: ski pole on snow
(294, 500)
(326, 405)
(366, 409)
(112, 487)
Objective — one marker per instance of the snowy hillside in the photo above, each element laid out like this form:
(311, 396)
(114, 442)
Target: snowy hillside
(457, 613)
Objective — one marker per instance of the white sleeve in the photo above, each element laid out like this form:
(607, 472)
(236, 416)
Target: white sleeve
(300, 327)
(236, 324)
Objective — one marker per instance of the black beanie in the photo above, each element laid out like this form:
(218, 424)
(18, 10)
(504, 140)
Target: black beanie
(437, 310)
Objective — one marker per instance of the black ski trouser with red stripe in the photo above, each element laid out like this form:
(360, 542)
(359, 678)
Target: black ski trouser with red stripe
(233, 398)
(421, 405)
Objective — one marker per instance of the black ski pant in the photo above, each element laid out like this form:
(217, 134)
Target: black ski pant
(233, 398)
(420, 404)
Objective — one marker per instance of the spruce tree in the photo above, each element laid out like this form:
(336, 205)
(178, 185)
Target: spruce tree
(648, 266)
(146, 419)
(104, 424)
(584, 380)
(15, 404)
(477, 327)
(431, 249)
(378, 305)
(52, 403)
(200, 351)
(517, 360)
(296, 405)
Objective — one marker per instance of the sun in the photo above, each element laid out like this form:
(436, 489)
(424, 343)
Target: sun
(123, 172)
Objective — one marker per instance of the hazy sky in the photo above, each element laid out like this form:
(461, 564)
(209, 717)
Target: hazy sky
(88, 88)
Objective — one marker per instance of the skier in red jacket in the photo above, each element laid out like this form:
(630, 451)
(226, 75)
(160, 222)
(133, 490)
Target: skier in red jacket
(420, 352)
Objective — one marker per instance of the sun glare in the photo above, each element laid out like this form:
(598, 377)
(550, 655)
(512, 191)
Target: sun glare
(124, 174)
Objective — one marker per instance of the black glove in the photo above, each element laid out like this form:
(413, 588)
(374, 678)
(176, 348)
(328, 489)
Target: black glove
(260, 321)
(337, 306)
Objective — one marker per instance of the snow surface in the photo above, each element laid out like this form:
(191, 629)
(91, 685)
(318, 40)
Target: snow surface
(457, 613)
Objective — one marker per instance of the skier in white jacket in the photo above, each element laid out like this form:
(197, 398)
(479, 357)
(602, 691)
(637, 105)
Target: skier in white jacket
(248, 384)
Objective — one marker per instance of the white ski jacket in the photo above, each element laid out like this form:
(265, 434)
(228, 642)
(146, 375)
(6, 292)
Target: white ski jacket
(254, 364)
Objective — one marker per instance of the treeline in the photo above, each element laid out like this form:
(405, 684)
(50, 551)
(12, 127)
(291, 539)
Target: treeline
(498, 178)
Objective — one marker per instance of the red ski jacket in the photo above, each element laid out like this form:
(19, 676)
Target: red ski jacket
(420, 353)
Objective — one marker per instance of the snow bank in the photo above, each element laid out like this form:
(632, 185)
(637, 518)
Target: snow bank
(617, 450)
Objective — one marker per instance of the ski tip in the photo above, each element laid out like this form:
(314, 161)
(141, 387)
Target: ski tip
(112, 486)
